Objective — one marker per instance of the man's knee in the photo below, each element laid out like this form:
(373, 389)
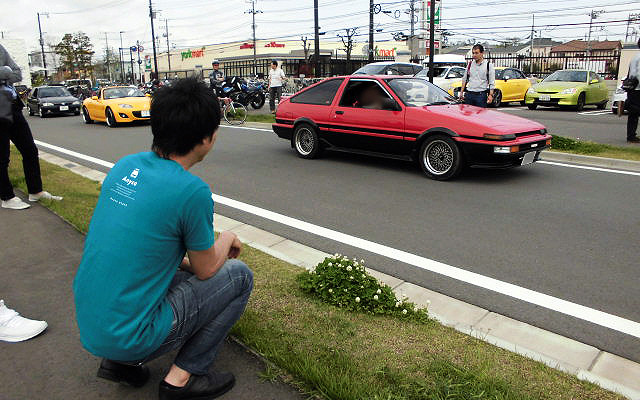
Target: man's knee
(239, 271)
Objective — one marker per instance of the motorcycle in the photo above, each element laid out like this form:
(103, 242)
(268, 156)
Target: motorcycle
(247, 93)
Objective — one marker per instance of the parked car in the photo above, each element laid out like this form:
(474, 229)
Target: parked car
(406, 118)
(45, 100)
(511, 85)
(389, 68)
(117, 104)
(619, 96)
(569, 87)
(444, 76)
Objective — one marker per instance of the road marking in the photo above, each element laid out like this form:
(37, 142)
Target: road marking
(530, 296)
(513, 109)
(613, 171)
(246, 127)
(596, 112)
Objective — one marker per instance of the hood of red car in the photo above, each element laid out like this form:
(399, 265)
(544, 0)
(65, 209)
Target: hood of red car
(471, 120)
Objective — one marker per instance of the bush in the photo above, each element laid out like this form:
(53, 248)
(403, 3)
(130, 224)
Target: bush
(345, 283)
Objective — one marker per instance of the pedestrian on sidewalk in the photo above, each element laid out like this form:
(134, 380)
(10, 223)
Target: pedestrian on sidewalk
(276, 78)
(136, 296)
(633, 101)
(479, 80)
(14, 128)
(15, 328)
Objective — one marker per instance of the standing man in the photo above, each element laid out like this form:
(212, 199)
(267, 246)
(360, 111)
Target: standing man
(633, 101)
(136, 296)
(216, 75)
(276, 76)
(479, 80)
(17, 131)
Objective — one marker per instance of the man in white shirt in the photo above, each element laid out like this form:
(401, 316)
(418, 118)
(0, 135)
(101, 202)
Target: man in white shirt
(478, 80)
(633, 101)
(276, 76)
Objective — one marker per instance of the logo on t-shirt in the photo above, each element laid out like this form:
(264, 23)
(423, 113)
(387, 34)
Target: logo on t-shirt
(134, 173)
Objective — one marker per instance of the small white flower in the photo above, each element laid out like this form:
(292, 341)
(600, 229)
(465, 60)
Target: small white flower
(331, 265)
(397, 304)
(378, 291)
(404, 311)
(336, 255)
(349, 268)
(330, 290)
(351, 277)
(344, 290)
(361, 287)
(361, 261)
(428, 303)
(375, 297)
(364, 276)
(357, 299)
(355, 263)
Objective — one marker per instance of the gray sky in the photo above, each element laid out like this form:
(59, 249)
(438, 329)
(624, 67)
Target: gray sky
(197, 22)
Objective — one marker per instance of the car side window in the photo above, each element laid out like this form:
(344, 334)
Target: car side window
(596, 76)
(321, 94)
(509, 74)
(404, 69)
(364, 93)
(35, 93)
(455, 73)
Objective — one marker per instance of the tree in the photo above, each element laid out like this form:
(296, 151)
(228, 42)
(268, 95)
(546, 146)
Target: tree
(347, 42)
(75, 53)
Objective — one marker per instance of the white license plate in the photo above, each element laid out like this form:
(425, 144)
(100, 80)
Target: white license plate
(144, 113)
(528, 158)
(64, 108)
(545, 97)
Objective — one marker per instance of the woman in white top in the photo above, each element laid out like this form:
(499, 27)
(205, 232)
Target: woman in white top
(276, 76)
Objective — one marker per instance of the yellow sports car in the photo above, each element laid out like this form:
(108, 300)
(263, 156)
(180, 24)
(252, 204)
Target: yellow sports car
(511, 85)
(115, 105)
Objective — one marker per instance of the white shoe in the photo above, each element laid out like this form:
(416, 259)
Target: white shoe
(15, 203)
(44, 195)
(14, 328)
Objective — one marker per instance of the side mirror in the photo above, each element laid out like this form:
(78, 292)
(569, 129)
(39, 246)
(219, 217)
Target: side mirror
(594, 81)
(506, 78)
(94, 97)
(148, 94)
(391, 105)
(538, 80)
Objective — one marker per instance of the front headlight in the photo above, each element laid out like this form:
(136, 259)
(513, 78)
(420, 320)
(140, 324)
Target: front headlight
(531, 90)
(77, 102)
(47, 104)
(569, 91)
(125, 105)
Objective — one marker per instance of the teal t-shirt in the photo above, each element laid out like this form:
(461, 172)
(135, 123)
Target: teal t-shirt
(150, 211)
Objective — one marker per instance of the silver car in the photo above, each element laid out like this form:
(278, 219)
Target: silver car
(618, 96)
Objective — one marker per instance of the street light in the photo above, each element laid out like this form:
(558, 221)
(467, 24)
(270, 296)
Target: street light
(121, 61)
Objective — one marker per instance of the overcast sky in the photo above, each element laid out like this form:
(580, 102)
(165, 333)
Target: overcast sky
(198, 22)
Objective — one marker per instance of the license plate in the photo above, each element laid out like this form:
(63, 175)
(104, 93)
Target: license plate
(528, 158)
(545, 97)
(64, 108)
(145, 113)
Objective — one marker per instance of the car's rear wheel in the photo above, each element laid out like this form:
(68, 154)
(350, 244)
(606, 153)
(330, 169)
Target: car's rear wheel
(40, 113)
(306, 142)
(497, 99)
(581, 102)
(30, 110)
(532, 106)
(440, 158)
(523, 103)
(603, 105)
(85, 116)
(111, 119)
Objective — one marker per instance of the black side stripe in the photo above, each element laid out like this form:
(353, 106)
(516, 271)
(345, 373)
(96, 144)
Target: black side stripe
(366, 130)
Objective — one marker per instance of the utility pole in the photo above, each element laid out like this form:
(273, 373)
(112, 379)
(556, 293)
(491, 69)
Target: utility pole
(316, 57)
(533, 24)
(632, 18)
(106, 44)
(166, 32)
(253, 13)
(44, 59)
(370, 31)
(139, 60)
(432, 34)
(133, 79)
(594, 14)
(153, 41)
(121, 61)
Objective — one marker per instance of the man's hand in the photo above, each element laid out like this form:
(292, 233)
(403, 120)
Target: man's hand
(235, 249)
(490, 98)
(462, 95)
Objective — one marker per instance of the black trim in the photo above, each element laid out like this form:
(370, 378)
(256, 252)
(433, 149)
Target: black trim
(436, 130)
(364, 130)
(284, 121)
(370, 153)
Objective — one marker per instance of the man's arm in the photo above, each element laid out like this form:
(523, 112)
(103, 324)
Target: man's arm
(9, 70)
(465, 79)
(205, 263)
(492, 82)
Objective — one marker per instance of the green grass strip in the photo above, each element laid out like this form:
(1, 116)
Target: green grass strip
(574, 146)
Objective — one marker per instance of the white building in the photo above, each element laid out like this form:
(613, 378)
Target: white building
(17, 49)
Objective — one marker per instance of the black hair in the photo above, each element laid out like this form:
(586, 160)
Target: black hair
(182, 116)
(274, 62)
(478, 47)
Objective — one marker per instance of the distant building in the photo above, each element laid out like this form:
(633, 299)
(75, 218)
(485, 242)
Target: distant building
(52, 59)
(541, 48)
(575, 48)
(17, 49)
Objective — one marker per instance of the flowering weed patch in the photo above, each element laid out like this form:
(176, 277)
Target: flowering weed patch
(345, 283)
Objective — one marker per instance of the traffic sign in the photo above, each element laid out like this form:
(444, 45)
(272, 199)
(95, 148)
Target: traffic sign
(142, 48)
(428, 12)
(133, 49)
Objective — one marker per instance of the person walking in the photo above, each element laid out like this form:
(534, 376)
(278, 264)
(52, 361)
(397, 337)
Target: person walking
(633, 100)
(479, 80)
(137, 297)
(14, 128)
(276, 78)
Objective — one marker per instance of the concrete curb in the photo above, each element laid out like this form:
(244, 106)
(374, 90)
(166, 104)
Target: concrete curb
(601, 162)
(586, 362)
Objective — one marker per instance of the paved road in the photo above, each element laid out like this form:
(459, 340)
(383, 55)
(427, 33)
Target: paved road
(569, 233)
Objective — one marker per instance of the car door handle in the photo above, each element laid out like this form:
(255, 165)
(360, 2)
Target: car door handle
(339, 112)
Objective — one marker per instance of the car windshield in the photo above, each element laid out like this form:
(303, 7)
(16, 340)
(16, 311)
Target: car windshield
(371, 69)
(419, 93)
(439, 72)
(115, 93)
(567, 76)
(499, 74)
(53, 92)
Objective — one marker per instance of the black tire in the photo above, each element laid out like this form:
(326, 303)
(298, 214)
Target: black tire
(85, 116)
(305, 141)
(602, 105)
(40, 112)
(497, 99)
(523, 103)
(532, 106)
(30, 111)
(258, 101)
(111, 119)
(76, 112)
(440, 158)
(581, 102)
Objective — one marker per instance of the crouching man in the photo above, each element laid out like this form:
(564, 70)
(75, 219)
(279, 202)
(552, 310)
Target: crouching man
(136, 295)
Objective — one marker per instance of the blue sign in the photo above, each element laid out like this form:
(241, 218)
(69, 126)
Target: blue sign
(133, 48)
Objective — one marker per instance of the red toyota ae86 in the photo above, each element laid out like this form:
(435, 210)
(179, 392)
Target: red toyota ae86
(408, 118)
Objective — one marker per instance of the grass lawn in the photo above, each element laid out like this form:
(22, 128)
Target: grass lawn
(568, 145)
(267, 118)
(342, 355)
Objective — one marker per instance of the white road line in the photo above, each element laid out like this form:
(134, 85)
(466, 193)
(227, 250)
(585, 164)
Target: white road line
(543, 300)
(513, 109)
(598, 112)
(246, 127)
(613, 171)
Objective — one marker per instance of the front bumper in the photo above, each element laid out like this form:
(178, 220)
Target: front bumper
(555, 99)
(481, 154)
(129, 115)
(55, 109)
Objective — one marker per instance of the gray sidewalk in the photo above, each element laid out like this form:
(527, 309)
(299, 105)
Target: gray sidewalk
(40, 254)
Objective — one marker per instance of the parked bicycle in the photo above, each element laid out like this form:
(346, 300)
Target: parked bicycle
(234, 113)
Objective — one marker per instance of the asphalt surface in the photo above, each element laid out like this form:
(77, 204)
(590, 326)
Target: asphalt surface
(40, 254)
(565, 232)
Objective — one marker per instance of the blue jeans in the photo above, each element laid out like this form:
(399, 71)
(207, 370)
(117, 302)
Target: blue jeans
(476, 98)
(203, 313)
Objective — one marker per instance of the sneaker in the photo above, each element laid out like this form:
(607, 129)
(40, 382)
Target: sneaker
(14, 328)
(634, 140)
(199, 387)
(132, 375)
(15, 203)
(44, 195)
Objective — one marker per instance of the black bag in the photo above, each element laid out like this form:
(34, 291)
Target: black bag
(629, 83)
(6, 107)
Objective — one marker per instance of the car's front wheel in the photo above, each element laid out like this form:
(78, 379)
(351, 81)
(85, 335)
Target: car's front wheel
(532, 106)
(85, 116)
(603, 105)
(497, 99)
(30, 110)
(111, 119)
(306, 142)
(581, 102)
(440, 158)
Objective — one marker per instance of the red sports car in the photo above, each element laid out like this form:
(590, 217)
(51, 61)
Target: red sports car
(405, 117)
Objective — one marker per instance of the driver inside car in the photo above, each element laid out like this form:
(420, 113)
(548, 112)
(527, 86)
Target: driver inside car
(371, 98)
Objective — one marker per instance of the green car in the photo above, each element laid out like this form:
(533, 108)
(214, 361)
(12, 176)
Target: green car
(569, 87)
